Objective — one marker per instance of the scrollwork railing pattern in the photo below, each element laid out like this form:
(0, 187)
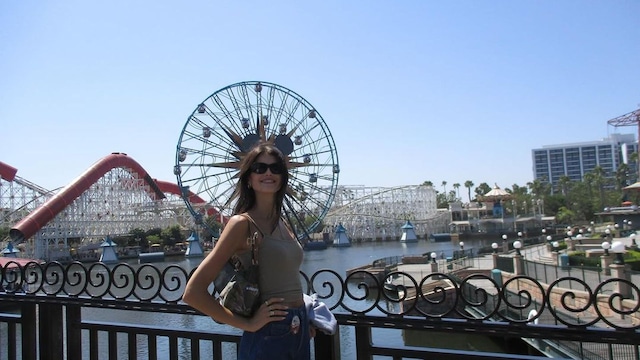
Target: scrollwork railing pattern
(566, 301)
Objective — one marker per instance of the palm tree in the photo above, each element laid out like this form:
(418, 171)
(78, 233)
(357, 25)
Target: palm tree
(428, 183)
(598, 181)
(444, 186)
(564, 183)
(468, 184)
(457, 187)
(633, 159)
(622, 175)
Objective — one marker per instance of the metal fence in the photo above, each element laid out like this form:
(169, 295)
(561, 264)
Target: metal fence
(50, 299)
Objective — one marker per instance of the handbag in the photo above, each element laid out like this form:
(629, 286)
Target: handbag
(240, 290)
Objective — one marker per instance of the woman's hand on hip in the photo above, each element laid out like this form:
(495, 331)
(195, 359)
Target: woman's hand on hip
(271, 310)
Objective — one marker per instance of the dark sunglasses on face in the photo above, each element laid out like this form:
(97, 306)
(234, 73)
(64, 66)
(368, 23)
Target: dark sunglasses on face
(261, 168)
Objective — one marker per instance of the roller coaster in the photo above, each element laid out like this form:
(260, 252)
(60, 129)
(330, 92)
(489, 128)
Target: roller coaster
(378, 213)
(111, 198)
(116, 195)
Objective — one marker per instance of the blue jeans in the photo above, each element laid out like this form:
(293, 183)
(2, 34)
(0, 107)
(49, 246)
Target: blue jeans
(276, 341)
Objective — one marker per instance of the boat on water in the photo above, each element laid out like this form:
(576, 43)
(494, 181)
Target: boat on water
(440, 237)
(315, 245)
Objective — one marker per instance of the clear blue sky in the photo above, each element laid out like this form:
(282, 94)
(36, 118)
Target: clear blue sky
(411, 90)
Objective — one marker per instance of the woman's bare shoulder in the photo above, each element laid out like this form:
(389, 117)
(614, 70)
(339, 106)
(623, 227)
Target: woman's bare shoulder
(236, 227)
(238, 219)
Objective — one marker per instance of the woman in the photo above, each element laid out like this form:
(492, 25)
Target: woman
(279, 329)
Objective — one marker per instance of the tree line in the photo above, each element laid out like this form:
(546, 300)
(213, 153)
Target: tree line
(570, 201)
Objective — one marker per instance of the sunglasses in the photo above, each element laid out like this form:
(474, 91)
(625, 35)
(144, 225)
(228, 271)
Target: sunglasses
(261, 168)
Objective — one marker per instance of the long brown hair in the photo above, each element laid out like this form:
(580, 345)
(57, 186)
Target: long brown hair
(246, 197)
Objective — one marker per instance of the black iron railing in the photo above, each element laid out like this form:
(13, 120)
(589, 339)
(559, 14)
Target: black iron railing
(46, 304)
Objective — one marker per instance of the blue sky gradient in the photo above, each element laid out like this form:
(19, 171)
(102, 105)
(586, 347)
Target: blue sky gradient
(411, 90)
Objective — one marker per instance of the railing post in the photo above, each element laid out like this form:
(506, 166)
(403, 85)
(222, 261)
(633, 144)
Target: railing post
(518, 265)
(605, 261)
(51, 327)
(29, 338)
(363, 342)
(619, 271)
(74, 332)
(327, 346)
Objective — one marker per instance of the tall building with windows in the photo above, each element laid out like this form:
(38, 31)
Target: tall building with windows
(551, 162)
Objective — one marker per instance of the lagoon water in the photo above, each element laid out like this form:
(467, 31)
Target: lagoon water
(336, 259)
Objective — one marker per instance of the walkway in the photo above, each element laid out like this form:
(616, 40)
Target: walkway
(539, 261)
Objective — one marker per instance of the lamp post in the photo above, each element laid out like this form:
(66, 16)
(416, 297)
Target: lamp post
(517, 245)
(618, 248)
(461, 248)
(518, 263)
(505, 245)
(555, 245)
(569, 241)
(494, 246)
(605, 259)
(619, 270)
(634, 245)
(434, 264)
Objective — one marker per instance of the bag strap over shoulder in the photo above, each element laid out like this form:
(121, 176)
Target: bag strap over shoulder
(253, 238)
(248, 217)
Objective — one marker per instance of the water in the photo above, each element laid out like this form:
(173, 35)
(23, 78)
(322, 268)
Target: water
(337, 259)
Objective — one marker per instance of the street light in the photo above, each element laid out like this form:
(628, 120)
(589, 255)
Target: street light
(606, 246)
(633, 236)
(494, 246)
(618, 248)
(549, 238)
(555, 245)
(517, 245)
(433, 257)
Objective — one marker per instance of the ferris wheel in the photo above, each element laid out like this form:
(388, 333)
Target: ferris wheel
(225, 126)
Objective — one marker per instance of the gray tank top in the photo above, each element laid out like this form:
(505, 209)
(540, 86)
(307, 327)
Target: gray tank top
(279, 258)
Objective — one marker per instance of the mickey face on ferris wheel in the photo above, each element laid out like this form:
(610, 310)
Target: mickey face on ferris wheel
(227, 124)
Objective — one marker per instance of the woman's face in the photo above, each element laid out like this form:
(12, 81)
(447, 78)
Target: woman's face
(266, 174)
